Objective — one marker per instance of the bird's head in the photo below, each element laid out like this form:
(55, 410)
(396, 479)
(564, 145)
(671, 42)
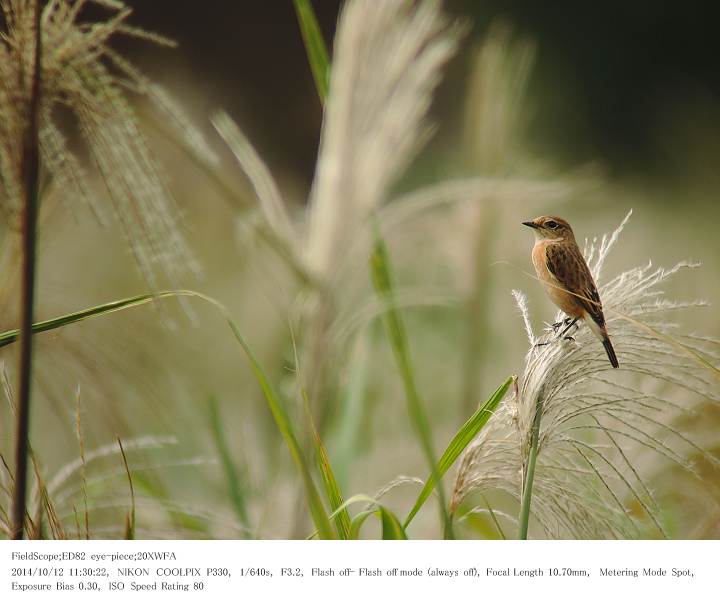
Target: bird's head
(550, 227)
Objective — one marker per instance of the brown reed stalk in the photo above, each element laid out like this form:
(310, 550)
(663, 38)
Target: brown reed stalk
(30, 171)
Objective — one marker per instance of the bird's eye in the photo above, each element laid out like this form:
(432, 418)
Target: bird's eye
(551, 224)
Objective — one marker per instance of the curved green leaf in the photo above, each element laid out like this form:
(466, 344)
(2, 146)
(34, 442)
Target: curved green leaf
(457, 445)
(357, 523)
(392, 529)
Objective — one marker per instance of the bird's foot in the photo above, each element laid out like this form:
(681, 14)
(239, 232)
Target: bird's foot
(569, 323)
(566, 321)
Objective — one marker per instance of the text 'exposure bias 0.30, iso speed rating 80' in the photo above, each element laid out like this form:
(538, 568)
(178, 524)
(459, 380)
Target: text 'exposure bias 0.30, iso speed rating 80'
(163, 571)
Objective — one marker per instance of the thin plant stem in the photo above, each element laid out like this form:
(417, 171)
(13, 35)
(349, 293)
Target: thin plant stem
(130, 518)
(30, 170)
(530, 473)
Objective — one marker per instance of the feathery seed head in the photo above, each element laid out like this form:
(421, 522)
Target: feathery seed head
(80, 71)
(387, 62)
(595, 427)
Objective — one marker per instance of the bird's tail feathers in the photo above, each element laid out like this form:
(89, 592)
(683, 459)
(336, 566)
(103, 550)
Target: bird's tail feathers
(601, 334)
(610, 352)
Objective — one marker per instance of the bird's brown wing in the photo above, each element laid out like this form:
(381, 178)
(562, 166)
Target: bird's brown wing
(570, 269)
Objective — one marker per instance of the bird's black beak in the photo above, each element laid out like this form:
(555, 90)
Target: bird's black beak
(530, 224)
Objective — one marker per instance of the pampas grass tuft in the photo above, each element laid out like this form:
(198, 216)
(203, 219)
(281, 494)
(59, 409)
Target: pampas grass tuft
(599, 424)
(82, 73)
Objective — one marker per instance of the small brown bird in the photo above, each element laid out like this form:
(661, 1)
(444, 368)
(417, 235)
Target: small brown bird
(565, 275)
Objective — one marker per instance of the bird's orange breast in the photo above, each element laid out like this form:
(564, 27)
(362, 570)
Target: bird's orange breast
(556, 291)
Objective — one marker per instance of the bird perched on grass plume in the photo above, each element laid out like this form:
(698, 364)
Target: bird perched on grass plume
(565, 275)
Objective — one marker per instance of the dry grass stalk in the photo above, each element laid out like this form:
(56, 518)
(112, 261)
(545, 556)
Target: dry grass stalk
(81, 73)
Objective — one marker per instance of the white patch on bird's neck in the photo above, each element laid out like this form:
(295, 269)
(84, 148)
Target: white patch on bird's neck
(543, 236)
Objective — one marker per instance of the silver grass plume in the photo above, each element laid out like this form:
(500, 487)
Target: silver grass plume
(387, 62)
(597, 423)
(82, 73)
(496, 99)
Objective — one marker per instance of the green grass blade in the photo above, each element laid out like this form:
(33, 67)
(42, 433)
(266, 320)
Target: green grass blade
(392, 530)
(332, 489)
(231, 474)
(8, 337)
(457, 445)
(282, 420)
(357, 523)
(130, 517)
(391, 527)
(498, 528)
(395, 329)
(317, 510)
(315, 47)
